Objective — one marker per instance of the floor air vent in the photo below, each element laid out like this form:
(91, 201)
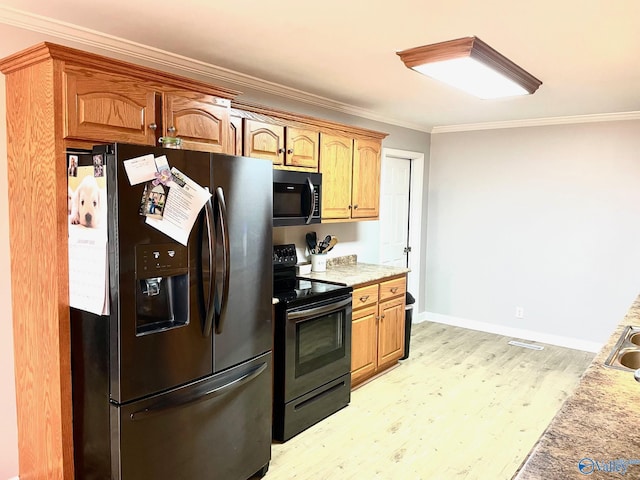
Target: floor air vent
(515, 343)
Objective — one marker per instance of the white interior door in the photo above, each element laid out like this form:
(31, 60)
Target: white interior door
(394, 211)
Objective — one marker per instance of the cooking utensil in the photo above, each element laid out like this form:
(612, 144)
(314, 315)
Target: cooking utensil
(324, 244)
(332, 243)
(312, 241)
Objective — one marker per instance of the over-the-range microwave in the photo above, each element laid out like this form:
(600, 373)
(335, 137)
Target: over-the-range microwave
(296, 198)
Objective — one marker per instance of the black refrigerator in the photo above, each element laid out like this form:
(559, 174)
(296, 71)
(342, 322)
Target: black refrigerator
(175, 382)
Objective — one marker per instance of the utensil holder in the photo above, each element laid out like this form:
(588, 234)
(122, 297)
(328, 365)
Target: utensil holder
(318, 262)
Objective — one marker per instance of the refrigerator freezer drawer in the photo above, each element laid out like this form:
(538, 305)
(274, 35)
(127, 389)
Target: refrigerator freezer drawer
(217, 428)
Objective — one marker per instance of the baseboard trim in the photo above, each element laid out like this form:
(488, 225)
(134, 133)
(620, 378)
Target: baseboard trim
(560, 341)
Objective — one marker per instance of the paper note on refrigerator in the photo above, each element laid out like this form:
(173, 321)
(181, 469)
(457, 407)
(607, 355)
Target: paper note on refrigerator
(89, 276)
(88, 254)
(184, 202)
(140, 169)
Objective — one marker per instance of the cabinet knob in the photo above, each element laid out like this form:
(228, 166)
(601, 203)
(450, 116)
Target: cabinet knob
(382, 316)
(394, 289)
(349, 207)
(153, 126)
(289, 151)
(364, 298)
(171, 129)
(355, 207)
(280, 150)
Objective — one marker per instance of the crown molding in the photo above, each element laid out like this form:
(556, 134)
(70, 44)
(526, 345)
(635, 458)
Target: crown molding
(162, 58)
(539, 122)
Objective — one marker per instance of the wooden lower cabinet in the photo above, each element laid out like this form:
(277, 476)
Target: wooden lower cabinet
(377, 327)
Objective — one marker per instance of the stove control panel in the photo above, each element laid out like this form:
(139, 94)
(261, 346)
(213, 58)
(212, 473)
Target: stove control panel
(285, 255)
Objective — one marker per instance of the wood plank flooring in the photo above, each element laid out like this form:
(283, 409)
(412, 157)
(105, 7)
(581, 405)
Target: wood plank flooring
(465, 405)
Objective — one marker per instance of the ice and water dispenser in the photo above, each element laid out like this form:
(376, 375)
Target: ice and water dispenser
(162, 287)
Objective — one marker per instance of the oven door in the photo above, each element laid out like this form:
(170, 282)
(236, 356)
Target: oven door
(318, 345)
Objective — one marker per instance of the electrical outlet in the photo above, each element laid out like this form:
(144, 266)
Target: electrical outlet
(519, 312)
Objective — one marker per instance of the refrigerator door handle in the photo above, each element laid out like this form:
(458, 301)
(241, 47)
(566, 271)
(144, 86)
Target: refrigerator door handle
(208, 321)
(311, 201)
(163, 407)
(222, 211)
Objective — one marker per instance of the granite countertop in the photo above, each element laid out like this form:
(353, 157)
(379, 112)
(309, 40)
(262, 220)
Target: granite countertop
(348, 271)
(596, 429)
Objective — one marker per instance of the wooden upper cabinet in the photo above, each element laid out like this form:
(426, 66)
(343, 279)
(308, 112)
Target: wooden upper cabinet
(235, 135)
(201, 121)
(302, 148)
(264, 140)
(108, 107)
(336, 153)
(366, 179)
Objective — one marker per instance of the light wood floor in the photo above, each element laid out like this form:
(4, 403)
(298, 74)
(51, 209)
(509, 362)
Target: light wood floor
(465, 405)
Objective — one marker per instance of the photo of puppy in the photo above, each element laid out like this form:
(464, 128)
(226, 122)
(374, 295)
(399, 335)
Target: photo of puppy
(86, 203)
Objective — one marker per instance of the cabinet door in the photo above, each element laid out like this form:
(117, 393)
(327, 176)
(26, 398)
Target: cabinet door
(366, 179)
(108, 107)
(264, 140)
(235, 135)
(201, 121)
(390, 331)
(363, 343)
(336, 154)
(302, 148)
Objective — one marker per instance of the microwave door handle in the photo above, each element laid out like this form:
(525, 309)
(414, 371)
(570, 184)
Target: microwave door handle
(208, 322)
(224, 230)
(312, 203)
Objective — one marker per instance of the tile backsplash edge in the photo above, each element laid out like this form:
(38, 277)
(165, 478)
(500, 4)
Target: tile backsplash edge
(344, 260)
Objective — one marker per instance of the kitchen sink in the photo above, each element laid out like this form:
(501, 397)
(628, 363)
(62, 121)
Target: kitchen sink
(630, 358)
(626, 353)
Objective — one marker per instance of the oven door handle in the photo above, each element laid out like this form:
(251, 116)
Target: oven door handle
(312, 312)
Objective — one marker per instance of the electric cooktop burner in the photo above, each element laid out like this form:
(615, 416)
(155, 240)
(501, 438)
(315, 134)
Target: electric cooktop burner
(293, 291)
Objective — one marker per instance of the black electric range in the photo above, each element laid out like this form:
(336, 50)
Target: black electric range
(295, 291)
(311, 347)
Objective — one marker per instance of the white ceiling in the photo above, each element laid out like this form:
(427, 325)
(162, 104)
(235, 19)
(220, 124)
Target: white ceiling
(586, 52)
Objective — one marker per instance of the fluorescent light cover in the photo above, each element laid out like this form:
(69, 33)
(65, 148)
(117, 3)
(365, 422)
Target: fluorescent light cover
(473, 77)
(471, 65)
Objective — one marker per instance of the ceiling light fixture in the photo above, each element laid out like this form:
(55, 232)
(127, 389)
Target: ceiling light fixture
(471, 65)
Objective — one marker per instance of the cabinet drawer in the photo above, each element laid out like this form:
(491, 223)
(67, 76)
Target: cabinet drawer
(365, 296)
(393, 288)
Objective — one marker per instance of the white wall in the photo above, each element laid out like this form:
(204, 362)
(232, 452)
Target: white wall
(547, 218)
(8, 419)
(359, 238)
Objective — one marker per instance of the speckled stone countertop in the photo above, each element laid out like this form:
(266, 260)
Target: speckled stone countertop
(596, 432)
(348, 271)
